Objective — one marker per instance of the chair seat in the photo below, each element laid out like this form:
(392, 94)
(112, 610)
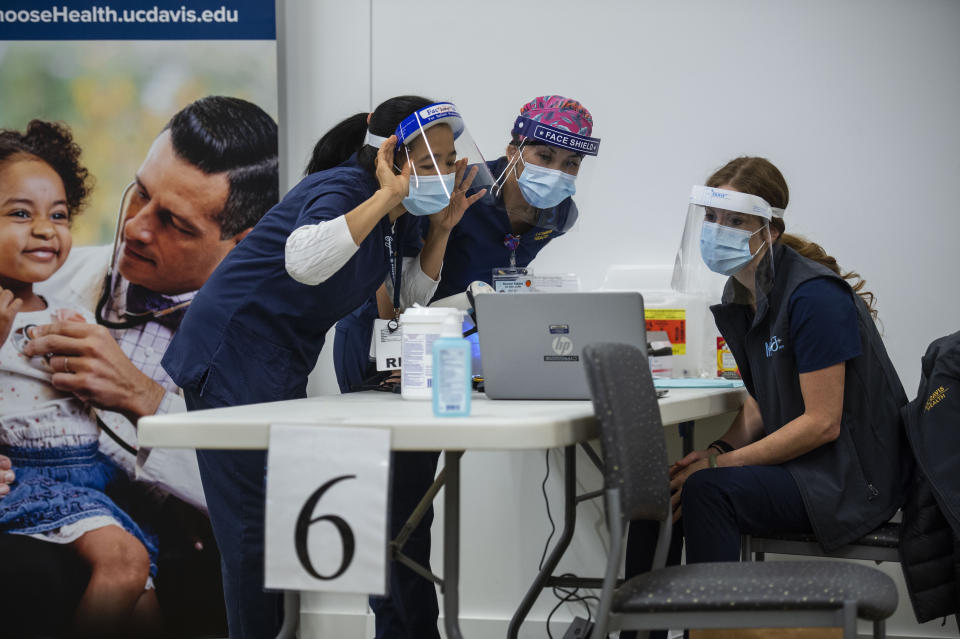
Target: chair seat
(779, 585)
(886, 536)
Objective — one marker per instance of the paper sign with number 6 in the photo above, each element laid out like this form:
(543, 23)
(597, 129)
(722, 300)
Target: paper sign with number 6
(303, 527)
(326, 525)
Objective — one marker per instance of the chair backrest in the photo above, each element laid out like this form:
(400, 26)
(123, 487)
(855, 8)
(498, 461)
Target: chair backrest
(631, 433)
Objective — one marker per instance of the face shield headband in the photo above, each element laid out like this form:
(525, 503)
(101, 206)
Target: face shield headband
(419, 121)
(555, 136)
(709, 197)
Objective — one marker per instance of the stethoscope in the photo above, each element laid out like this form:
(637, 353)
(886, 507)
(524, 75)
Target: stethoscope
(129, 320)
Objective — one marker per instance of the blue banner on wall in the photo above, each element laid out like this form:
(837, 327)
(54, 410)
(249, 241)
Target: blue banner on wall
(137, 20)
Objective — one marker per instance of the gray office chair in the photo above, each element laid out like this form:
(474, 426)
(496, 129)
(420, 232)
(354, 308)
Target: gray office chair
(880, 545)
(709, 595)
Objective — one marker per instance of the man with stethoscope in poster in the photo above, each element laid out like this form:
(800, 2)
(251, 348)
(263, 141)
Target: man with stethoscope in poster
(206, 180)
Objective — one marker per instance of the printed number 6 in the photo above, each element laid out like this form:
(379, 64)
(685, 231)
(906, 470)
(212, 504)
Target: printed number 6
(303, 526)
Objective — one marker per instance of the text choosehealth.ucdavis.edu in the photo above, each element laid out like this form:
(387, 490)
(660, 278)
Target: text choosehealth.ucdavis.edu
(108, 14)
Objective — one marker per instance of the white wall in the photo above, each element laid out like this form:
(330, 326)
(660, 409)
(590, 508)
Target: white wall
(856, 102)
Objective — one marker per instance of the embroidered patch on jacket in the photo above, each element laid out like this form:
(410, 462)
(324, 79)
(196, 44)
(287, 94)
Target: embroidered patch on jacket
(935, 398)
(774, 345)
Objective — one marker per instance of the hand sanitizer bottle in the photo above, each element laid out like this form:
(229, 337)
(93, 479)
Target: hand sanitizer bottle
(451, 370)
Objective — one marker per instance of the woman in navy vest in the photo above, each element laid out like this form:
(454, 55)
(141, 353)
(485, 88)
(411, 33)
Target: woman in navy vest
(817, 446)
(530, 204)
(254, 331)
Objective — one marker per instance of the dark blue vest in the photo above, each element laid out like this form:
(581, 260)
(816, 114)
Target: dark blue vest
(855, 483)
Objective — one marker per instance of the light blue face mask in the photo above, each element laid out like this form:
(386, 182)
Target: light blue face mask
(545, 188)
(427, 195)
(725, 250)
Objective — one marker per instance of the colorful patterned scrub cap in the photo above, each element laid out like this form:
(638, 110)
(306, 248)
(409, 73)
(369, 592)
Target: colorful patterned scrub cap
(560, 112)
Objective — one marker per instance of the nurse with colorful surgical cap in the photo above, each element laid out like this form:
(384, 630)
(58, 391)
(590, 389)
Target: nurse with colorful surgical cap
(531, 202)
(529, 205)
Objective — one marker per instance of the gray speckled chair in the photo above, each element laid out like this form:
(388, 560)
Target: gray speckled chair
(711, 595)
(880, 545)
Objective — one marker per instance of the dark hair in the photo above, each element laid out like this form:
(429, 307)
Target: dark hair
(219, 134)
(53, 144)
(347, 137)
(758, 176)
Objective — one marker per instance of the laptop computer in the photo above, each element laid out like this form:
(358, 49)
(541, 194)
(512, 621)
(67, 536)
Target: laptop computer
(530, 343)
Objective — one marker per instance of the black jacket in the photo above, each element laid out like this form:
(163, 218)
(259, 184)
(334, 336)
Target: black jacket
(930, 532)
(855, 483)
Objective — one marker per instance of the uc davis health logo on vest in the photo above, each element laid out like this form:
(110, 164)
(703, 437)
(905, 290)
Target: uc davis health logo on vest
(774, 345)
(935, 398)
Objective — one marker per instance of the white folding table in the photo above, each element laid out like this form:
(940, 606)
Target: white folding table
(492, 425)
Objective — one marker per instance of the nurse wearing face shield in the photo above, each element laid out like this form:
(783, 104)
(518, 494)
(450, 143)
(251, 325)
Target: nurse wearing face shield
(549, 159)
(254, 331)
(816, 447)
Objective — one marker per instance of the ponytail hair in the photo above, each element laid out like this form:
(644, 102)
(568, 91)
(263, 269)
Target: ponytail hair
(348, 137)
(758, 176)
(338, 144)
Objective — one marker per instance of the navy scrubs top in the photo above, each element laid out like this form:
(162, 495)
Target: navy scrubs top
(253, 333)
(823, 324)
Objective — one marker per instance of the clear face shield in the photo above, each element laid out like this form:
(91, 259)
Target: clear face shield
(443, 158)
(727, 235)
(543, 171)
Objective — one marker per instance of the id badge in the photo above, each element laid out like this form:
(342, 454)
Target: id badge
(386, 344)
(512, 280)
(556, 283)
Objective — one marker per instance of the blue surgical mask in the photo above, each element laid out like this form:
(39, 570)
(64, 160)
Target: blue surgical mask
(724, 249)
(429, 194)
(545, 188)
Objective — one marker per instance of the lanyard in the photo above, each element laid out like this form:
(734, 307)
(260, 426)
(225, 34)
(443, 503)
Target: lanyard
(391, 243)
(512, 242)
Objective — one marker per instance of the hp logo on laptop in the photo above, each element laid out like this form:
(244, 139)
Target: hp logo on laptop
(562, 345)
